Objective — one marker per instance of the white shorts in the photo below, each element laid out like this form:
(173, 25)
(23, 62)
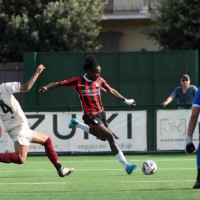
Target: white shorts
(22, 134)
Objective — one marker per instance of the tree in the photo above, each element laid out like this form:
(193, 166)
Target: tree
(176, 24)
(48, 25)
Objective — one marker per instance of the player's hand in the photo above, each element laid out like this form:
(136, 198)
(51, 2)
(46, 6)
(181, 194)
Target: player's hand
(130, 102)
(190, 148)
(164, 103)
(42, 89)
(40, 69)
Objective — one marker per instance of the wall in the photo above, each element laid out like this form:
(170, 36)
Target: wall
(132, 37)
(123, 25)
(148, 77)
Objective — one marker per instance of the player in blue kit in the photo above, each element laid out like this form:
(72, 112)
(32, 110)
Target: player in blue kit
(190, 148)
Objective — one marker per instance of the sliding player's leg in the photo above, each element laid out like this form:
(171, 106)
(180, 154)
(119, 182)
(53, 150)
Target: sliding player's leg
(19, 157)
(21, 135)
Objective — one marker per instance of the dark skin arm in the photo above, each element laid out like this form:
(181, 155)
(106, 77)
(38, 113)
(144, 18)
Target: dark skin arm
(118, 96)
(52, 85)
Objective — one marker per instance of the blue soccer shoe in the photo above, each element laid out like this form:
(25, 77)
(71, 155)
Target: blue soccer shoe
(73, 123)
(130, 168)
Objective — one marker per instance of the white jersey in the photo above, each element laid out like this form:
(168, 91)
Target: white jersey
(11, 113)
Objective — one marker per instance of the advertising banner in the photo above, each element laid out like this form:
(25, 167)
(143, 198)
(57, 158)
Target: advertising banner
(129, 127)
(172, 129)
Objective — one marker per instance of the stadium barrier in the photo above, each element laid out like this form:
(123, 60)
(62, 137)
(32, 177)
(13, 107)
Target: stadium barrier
(132, 128)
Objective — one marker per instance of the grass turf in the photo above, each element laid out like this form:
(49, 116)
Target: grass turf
(100, 178)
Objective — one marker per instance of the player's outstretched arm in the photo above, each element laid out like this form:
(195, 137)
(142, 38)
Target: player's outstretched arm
(49, 86)
(117, 95)
(28, 85)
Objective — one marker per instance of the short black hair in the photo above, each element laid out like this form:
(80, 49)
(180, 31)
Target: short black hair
(90, 63)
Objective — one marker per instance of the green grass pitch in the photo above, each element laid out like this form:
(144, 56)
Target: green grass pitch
(100, 178)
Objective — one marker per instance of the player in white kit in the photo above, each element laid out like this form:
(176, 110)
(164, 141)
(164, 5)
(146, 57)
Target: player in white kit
(16, 126)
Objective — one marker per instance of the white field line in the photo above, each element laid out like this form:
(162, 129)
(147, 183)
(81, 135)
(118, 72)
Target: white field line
(111, 160)
(36, 183)
(90, 170)
(162, 181)
(55, 183)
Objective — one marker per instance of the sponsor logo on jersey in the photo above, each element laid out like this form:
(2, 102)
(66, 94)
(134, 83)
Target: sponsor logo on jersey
(90, 92)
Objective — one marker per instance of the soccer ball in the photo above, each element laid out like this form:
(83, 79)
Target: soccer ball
(149, 167)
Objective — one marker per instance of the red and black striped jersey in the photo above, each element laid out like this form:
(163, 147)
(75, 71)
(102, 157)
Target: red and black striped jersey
(89, 92)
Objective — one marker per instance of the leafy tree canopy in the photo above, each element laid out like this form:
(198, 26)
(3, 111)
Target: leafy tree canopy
(48, 25)
(177, 24)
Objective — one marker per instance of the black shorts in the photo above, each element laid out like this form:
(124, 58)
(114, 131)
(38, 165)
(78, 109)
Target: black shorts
(92, 120)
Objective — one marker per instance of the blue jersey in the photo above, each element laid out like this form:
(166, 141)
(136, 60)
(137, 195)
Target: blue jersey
(184, 98)
(196, 102)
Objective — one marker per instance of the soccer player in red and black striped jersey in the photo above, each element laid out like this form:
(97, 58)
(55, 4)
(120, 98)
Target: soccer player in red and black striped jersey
(89, 88)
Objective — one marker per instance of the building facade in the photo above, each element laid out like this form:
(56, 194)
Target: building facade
(123, 25)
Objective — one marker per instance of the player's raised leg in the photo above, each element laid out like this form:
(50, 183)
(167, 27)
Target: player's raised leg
(76, 124)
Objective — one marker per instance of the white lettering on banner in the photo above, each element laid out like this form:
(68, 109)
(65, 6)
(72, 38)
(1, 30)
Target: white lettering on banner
(172, 129)
(128, 126)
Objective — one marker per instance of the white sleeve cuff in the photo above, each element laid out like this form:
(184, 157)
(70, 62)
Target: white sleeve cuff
(129, 101)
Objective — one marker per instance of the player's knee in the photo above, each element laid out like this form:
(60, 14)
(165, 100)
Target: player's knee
(21, 160)
(48, 142)
(110, 138)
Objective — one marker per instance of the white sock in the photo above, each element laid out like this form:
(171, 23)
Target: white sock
(120, 156)
(83, 126)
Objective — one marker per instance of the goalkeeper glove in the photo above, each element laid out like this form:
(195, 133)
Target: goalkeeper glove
(190, 148)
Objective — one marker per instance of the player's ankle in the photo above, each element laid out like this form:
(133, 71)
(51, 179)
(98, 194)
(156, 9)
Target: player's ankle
(58, 166)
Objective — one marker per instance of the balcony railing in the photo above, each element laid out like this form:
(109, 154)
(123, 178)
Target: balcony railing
(124, 6)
